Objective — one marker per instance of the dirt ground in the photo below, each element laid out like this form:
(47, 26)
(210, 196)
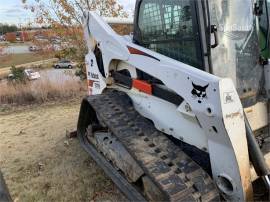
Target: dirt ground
(40, 164)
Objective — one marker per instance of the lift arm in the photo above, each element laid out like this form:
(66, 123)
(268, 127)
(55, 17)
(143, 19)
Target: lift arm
(214, 102)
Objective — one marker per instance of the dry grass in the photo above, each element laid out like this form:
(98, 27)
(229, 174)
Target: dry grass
(40, 91)
(40, 164)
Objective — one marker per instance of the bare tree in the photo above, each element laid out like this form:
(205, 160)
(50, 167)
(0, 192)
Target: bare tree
(64, 19)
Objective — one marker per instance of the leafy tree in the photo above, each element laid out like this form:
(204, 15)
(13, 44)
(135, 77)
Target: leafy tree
(5, 28)
(64, 18)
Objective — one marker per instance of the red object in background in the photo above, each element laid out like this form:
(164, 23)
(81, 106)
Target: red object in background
(11, 37)
(24, 36)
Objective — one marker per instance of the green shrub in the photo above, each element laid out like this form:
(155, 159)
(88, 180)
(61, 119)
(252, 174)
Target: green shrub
(80, 71)
(17, 74)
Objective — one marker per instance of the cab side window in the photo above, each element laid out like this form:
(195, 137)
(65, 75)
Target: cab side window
(170, 27)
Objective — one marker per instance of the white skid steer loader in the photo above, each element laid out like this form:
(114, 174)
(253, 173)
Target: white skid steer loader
(180, 110)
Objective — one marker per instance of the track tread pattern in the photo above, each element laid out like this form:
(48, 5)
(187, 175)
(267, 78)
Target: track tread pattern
(176, 174)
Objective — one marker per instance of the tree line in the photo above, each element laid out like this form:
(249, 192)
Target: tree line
(5, 28)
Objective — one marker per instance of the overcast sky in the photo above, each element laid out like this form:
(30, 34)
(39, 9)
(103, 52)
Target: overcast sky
(12, 11)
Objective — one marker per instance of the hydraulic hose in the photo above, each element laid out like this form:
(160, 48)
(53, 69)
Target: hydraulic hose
(256, 156)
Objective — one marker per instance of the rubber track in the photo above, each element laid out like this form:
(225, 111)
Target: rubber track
(176, 174)
(131, 193)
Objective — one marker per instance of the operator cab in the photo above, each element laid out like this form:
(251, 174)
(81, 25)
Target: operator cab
(218, 36)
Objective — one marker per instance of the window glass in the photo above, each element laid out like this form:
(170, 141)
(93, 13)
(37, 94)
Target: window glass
(237, 55)
(264, 28)
(170, 28)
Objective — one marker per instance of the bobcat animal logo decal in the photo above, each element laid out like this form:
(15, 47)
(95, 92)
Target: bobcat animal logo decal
(199, 92)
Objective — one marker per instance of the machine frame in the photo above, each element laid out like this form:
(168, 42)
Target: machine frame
(214, 121)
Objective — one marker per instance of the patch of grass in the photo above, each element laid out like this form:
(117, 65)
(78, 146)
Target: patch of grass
(18, 59)
(38, 165)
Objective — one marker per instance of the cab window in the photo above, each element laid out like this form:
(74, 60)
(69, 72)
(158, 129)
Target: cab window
(171, 28)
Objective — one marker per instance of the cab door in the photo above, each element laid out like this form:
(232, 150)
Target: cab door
(172, 28)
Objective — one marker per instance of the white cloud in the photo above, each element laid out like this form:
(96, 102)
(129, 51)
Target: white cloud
(14, 13)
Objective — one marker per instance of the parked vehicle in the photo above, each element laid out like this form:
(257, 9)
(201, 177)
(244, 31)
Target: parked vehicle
(64, 64)
(31, 74)
(2, 38)
(34, 48)
(11, 77)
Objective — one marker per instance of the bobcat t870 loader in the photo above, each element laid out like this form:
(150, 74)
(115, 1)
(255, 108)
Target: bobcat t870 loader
(180, 110)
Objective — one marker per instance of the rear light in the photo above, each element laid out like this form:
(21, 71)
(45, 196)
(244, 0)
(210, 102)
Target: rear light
(90, 84)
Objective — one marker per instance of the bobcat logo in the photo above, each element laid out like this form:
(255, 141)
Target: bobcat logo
(199, 92)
